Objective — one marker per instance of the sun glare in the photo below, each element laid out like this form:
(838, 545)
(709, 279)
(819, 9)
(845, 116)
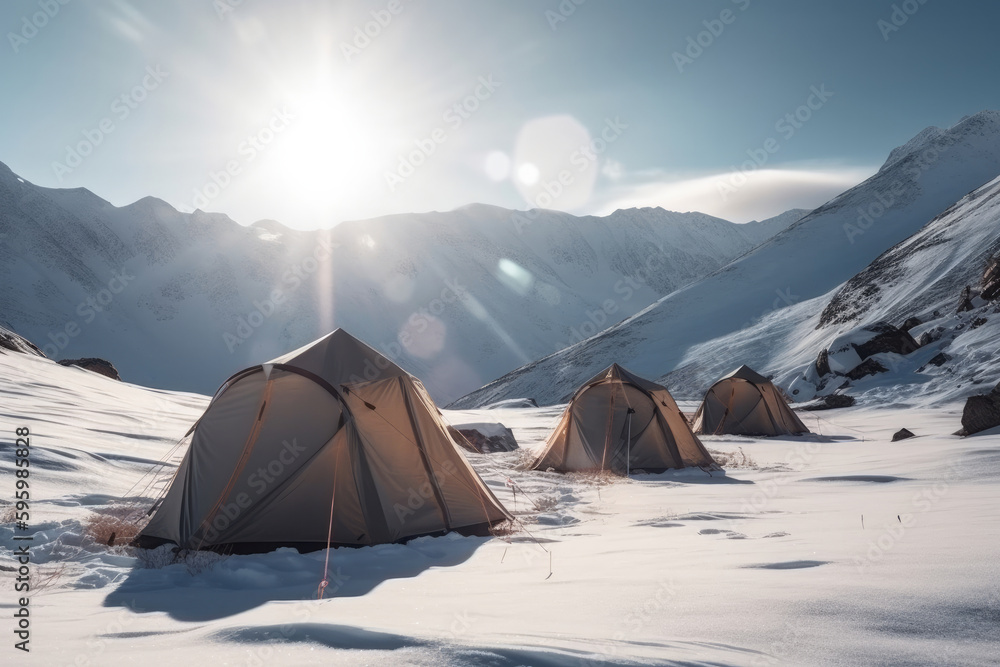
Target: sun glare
(331, 150)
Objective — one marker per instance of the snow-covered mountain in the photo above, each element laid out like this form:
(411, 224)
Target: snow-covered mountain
(764, 309)
(182, 301)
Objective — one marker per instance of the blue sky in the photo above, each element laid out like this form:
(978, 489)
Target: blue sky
(288, 110)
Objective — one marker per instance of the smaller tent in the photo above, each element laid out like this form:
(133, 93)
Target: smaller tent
(746, 403)
(621, 422)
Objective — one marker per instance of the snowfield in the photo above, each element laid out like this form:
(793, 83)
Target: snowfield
(839, 548)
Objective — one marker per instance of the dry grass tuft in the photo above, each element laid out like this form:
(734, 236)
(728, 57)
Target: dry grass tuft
(48, 577)
(524, 459)
(737, 459)
(116, 525)
(7, 515)
(597, 477)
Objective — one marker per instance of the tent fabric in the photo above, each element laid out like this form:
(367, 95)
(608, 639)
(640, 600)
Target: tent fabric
(620, 422)
(746, 403)
(334, 421)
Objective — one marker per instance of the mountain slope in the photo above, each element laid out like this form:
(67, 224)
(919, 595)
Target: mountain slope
(748, 310)
(182, 301)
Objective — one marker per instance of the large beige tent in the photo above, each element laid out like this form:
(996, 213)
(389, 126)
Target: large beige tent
(332, 443)
(746, 403)
(620, 422)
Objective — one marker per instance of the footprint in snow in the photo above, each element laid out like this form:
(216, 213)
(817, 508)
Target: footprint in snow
(788, 565)
(731, 534)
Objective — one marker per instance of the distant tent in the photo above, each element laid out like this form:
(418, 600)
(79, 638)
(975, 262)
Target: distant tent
(746, 403)
(330, 443)
(621, 422)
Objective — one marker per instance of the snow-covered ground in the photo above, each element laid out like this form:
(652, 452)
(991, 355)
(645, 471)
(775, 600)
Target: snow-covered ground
(840, 548)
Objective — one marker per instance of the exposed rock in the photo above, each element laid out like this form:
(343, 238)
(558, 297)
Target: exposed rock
(991, 280)
(94, 365)
(889, 339)
(940, 359)
(866, 367)
(902, 434)
(981, 412)
(965, 301)
(460, 440)
(488, 438)
(976, 323)
(828, 402)
(512, 403)
(910, 323)
(929, 336)
(823, 363)
(11, 341)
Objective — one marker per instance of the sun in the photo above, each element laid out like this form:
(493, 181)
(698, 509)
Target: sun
(332, 148)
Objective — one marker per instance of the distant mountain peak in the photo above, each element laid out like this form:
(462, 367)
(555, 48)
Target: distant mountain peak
(987, 119)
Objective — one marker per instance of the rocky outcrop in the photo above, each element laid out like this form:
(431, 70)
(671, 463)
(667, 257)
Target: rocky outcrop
(488, 438)
(889, 339)
(929, 336)
(965, 300)
(990, 287)
(910, 323)
(94, 365)
(828, 402)
(823, 363)
(866, 367)
(512, 403)
(981, 412)
(11, 341)
(902, 434)
(850, 353)
(940, 359)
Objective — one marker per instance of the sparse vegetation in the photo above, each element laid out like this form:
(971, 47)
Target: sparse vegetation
(737, 459)
(116, 525)
(7, 514)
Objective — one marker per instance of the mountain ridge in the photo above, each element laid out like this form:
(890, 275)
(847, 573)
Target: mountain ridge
(801, 263)
(474, 291)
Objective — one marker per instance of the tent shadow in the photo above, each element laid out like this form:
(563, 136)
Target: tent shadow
(235, 584)
(690, 476)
